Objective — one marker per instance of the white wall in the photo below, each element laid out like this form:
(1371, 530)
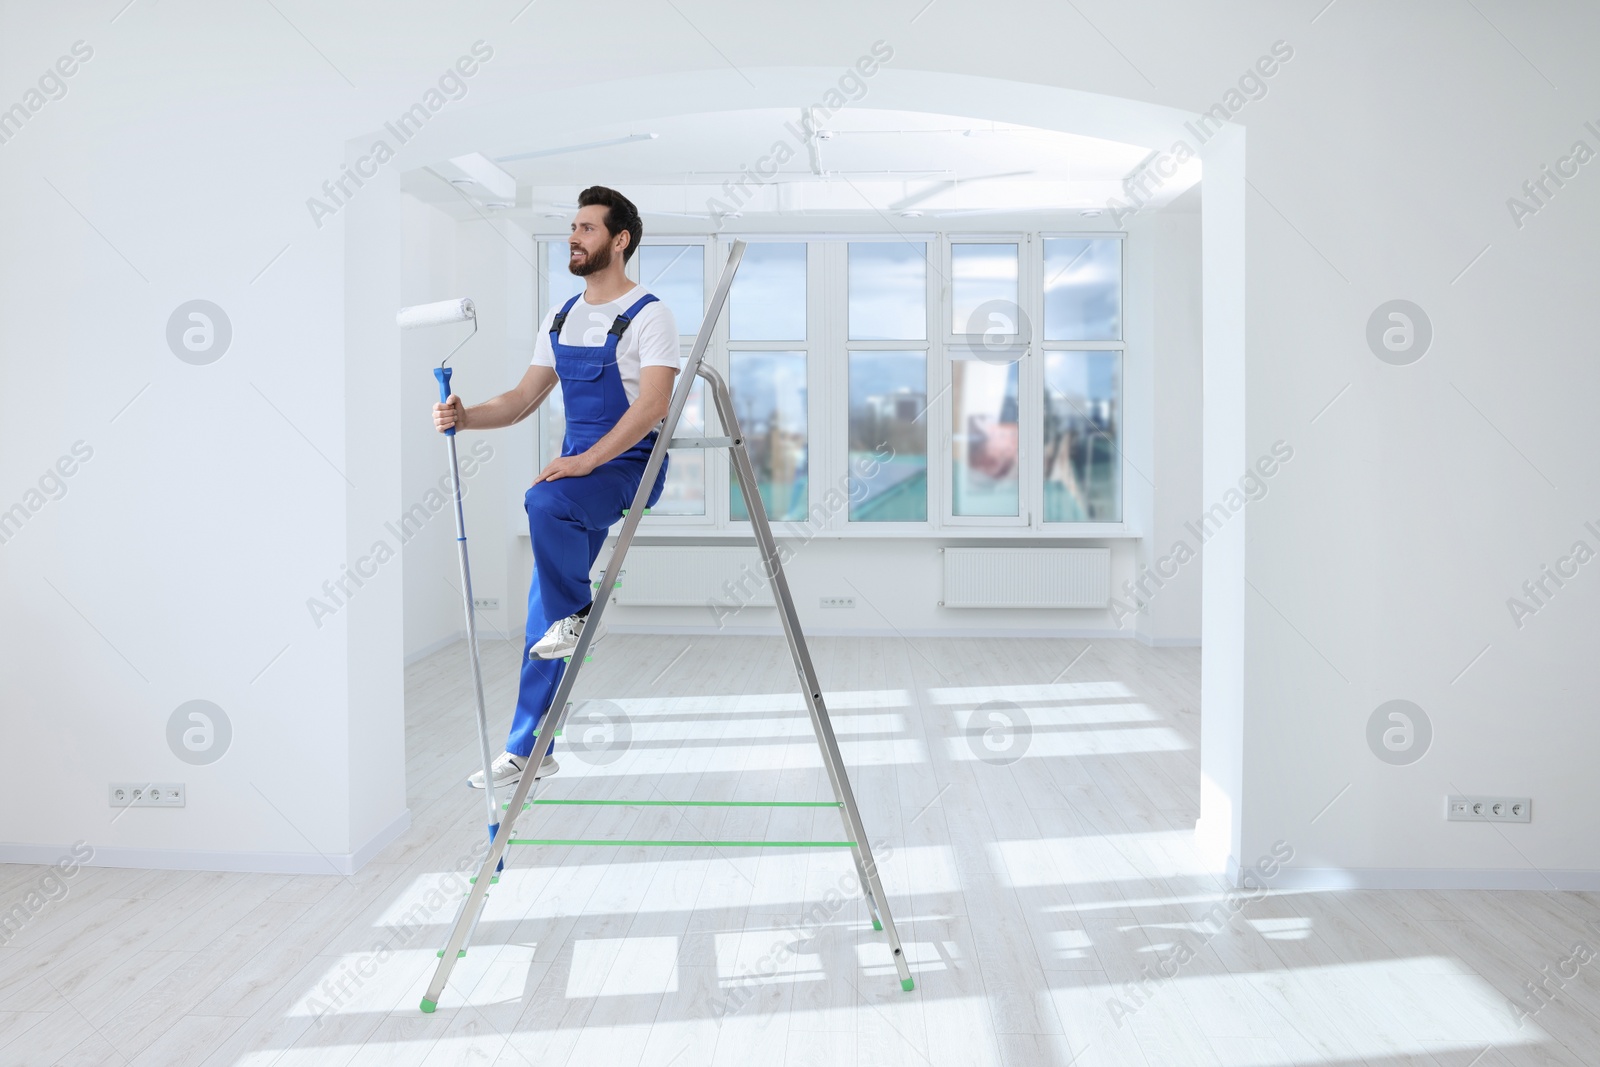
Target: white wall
(432, 607)
(179, 561)
(1173, 613)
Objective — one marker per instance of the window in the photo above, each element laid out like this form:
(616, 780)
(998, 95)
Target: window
(1081, 429)
(562, 282)
(888, 437)
(983, 291)
(985, 442)
(768, 299)
(915, 385)
(676, 274)
(886, 430)
(1081, 393)
(888, 291)
(769, 400)
(1082, 289)
(684, 493)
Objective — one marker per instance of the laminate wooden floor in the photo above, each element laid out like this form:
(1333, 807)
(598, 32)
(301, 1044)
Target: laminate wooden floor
(1032, 802)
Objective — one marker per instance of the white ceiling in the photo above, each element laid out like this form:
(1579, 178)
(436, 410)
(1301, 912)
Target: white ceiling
(862, 163)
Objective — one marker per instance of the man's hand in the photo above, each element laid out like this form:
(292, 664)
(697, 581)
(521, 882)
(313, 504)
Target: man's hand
(452, 414)
(566, 467)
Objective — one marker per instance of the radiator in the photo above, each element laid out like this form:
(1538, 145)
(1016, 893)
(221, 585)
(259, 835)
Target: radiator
(1027, 577)
(691, 576)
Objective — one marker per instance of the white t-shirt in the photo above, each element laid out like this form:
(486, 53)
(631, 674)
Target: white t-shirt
(651, 339)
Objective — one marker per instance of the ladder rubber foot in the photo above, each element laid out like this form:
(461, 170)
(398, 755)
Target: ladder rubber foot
(876, 925)
(907, 984)
(428, 1006)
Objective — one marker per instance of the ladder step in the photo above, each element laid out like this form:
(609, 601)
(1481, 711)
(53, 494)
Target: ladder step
(691, 803)
(700, 442)
(682, 844)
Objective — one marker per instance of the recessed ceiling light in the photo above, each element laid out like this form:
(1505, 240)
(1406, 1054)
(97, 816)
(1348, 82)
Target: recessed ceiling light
(500, 203)
(913, 214)
(731, 215)
(462, 181)
(1090, 213)
(554, 215)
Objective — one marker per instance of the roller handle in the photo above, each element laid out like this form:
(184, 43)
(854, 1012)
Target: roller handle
(443, 375)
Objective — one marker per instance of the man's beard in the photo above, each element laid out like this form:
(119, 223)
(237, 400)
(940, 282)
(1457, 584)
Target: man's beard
(592, 261)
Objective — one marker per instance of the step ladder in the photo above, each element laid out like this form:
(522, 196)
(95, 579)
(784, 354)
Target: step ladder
(471, 908)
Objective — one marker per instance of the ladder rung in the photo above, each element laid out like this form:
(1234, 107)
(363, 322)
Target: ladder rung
(685, 844)
(700, 442)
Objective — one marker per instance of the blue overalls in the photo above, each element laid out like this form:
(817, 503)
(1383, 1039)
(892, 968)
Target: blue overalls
(568, 517)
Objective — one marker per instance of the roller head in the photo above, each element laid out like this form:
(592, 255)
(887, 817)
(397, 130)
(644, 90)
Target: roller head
(441, 313)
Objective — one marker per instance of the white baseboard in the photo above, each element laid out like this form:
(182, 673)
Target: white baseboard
(1168, 642)
(487, 635)
(1292, 877)
(172, 859)
(861, 631)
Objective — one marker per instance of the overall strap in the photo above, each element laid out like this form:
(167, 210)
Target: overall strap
(561, 317)
(620, 325)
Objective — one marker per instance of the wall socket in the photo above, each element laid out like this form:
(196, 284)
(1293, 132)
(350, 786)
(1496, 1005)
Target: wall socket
(1488, 809)
(148, 794)
(486, 603)
(838, 601)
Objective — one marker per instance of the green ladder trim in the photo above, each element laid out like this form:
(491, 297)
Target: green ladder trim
(907, 984)
(568, 659)
(646, 511)
(682, 844)
(688, 803)
(429, 1006)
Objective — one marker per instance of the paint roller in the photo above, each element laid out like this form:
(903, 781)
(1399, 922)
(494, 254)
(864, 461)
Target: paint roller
(445, 313)
(441, 313)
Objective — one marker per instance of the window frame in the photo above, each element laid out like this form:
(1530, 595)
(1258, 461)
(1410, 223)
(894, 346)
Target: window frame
(838, 386)
(827, 349)
(1119, 346)
(954, 344)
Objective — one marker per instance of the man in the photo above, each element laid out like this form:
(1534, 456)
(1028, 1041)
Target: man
(614, 351)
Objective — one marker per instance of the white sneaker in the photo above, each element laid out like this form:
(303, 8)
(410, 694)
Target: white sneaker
(562, 637)
(508, 770)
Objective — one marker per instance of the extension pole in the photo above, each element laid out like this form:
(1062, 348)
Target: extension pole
(442, 374)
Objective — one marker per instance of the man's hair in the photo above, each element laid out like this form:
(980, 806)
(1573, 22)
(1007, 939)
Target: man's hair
(620, 215)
